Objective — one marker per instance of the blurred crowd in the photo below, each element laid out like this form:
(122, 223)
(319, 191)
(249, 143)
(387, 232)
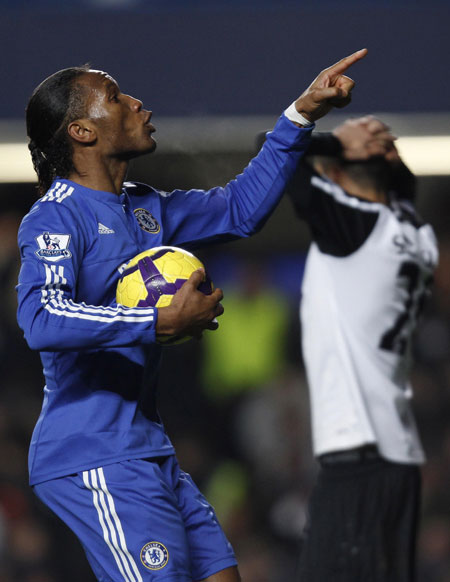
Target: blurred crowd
(236, 407)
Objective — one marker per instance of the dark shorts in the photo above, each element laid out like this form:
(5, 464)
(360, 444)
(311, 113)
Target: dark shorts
(362, 522)
(141, 521)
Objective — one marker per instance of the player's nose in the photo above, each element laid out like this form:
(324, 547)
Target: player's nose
(135, 104)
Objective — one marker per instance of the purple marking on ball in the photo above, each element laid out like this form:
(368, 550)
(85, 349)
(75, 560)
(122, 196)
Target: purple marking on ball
(128, 272)
(161, 253)
(156, 285)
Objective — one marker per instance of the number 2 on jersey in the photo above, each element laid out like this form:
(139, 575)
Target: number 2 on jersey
(396, 338)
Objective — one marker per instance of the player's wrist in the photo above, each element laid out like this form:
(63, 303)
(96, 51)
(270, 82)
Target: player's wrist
(167, 320)
(293, 115)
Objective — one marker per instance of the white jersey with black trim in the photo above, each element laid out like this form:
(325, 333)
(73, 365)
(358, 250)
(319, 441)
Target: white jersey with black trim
(358, 312)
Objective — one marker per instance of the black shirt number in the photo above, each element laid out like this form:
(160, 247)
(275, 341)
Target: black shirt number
(396, 338)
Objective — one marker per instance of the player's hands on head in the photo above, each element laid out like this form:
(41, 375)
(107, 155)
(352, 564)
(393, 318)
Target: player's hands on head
(392, 155)
(365, 137)
(191, 311)
(331, 88)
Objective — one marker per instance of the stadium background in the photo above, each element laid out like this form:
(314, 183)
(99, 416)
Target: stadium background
(235, 404)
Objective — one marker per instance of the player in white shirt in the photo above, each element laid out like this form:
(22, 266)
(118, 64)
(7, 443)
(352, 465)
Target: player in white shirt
(367, 273)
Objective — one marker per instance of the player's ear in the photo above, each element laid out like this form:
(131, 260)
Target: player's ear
(334, 173)
(327, 167)
(82, 131)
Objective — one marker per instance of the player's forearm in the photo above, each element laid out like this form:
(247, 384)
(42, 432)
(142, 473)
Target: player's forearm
(241, 207)
(324, 144)
(60, 324)
(403, 181)
(257, 191)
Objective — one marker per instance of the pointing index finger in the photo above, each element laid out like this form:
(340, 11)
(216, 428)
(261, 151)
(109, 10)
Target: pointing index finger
(342, 65)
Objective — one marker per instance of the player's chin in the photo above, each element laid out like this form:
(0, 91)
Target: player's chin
(145, 148)
(152, 145)
(140, 150)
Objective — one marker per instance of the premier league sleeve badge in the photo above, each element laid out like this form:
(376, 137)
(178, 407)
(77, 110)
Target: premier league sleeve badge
(53, 247)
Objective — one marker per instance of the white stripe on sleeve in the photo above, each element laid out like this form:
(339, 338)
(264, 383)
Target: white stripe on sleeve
(54, 302)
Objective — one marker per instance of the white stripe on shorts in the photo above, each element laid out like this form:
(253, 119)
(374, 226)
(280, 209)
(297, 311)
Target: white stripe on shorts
(104, 503)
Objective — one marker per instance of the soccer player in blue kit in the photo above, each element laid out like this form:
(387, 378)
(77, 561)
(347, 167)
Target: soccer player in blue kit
(99, 456)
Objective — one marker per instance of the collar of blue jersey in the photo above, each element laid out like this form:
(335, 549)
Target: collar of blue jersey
(109, 197)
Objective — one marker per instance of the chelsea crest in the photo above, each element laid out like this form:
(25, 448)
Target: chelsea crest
(146, 221)
(154, 555)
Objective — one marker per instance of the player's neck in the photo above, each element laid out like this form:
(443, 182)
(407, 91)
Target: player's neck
(371, 195)
(106, 175)
(363, 192)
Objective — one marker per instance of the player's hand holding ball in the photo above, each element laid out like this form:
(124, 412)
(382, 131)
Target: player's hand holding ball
(191, 311)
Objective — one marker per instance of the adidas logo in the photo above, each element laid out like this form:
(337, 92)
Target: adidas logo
(102, 229)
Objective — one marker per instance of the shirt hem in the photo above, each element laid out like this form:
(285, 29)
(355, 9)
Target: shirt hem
(215, 567)
(415, 459)
(95, 463)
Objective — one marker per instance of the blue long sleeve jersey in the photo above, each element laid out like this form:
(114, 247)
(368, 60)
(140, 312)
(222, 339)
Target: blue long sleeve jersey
(100, 359)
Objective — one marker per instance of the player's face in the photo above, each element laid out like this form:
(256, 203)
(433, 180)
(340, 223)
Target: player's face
(122, 126)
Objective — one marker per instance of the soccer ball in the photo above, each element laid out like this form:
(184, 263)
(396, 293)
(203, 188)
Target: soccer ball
(153, 277)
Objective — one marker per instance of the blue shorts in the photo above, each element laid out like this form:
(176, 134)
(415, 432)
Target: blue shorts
(141, 521)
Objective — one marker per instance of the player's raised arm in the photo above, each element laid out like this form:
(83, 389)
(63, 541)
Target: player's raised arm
(331, 88)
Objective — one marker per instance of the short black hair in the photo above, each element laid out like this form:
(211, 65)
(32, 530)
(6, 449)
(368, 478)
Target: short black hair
(374, 173)
(57, 101)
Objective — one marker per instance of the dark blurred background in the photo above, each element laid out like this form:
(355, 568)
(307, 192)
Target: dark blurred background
(236, 403)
